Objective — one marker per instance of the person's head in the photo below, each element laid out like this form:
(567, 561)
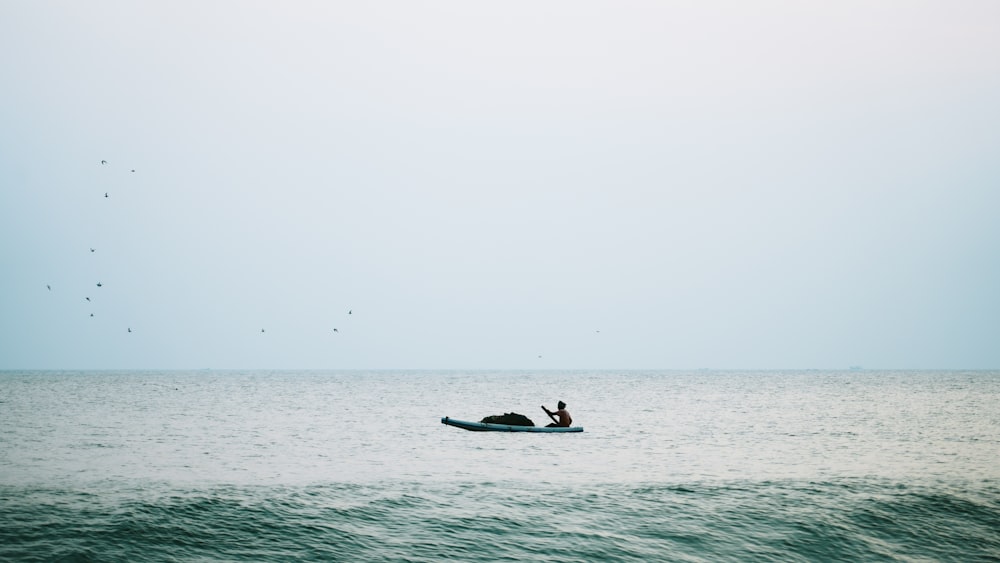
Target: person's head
(561, 405)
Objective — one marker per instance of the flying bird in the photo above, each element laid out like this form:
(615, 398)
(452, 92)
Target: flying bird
(93, 250)
(91, 314)
(335, 330)
(349, 312)
(104, 162)
(49, 286)
(130, 329)
(262, 331)
(87, 298)
(99, 284)
(133, 170)
(105, 194)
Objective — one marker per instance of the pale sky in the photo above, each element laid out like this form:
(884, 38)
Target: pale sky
(554, 184)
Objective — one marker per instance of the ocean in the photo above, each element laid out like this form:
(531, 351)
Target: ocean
(704, 465)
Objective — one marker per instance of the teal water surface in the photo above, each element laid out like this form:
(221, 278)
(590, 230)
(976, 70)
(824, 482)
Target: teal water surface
(673, 466)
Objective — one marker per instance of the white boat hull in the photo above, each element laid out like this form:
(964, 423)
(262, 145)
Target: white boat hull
(488, 427)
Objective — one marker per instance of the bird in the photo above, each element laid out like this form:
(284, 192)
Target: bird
(87, 298)
(350, 312)
(93, 250)
(335, 330)
(105, 194)
(99, 284)
(262, 331)
(130, 329)
(133, 170)
(48, 286)
(104, 162)
(91, 314)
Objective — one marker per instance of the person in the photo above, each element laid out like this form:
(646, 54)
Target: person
(564, 418)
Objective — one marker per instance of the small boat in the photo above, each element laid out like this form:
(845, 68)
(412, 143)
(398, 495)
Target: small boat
(487, 427)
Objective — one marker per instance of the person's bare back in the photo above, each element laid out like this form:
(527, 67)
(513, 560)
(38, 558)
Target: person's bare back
(561, 417)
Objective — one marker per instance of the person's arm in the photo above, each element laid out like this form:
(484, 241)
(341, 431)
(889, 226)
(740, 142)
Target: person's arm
(551, 414)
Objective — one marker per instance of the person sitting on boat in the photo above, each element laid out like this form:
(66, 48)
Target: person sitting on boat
(564, 419)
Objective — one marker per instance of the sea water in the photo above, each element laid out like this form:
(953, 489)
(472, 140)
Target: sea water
(356, 466)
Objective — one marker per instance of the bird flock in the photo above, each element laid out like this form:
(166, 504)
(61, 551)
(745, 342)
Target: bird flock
(99, 285)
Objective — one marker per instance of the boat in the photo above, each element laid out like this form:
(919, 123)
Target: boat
(488, 427)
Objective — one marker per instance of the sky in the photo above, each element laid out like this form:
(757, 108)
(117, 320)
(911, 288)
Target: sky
(500, 185)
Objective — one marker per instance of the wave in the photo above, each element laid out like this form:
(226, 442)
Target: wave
(394, 521)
